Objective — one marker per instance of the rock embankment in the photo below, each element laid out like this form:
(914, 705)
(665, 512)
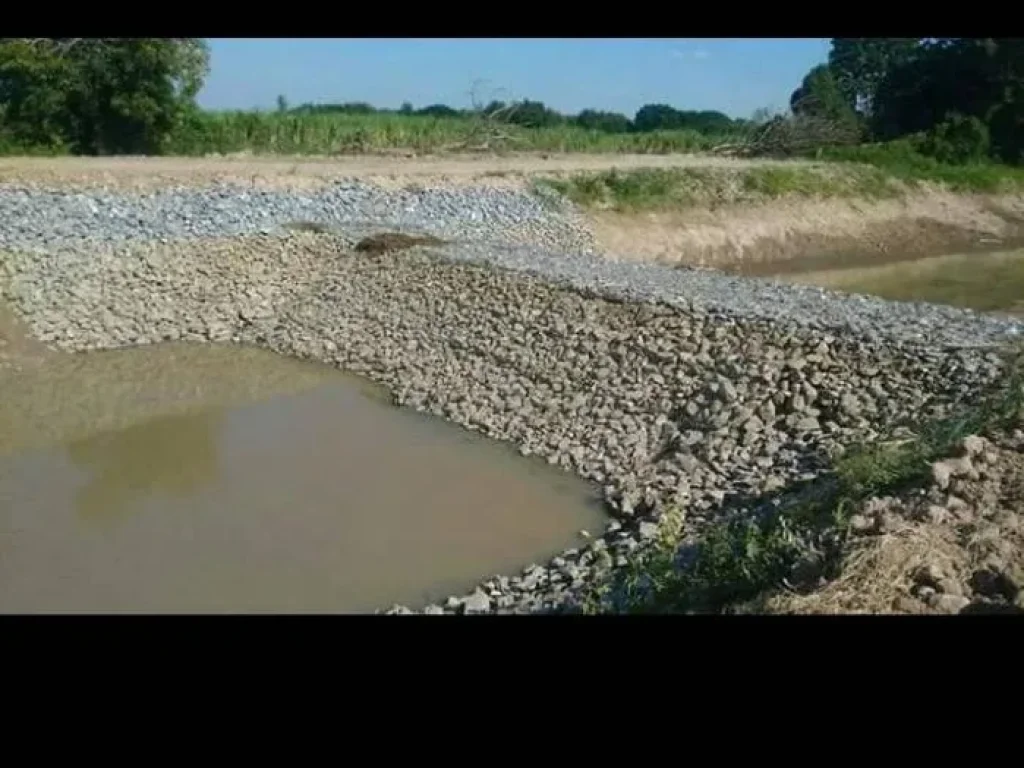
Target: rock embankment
(671, 390)
(953, 545)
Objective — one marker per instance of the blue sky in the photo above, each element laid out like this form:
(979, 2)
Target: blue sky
(733, 75)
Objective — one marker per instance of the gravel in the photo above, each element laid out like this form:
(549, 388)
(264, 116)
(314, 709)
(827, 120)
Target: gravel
(670, 389)
(522, 230)
(55, 220)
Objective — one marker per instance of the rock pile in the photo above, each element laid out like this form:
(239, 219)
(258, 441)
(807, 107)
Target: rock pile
(678, 403)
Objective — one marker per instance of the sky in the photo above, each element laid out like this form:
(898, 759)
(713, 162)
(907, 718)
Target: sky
(732, 75)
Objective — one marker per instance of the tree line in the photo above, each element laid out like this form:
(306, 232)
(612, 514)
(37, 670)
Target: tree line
(958, 99)
(536, 114)
(98, 95)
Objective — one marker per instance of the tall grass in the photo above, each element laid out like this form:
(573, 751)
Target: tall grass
(325, 134)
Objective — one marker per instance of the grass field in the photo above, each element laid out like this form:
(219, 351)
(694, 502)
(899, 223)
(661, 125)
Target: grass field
(326, 134)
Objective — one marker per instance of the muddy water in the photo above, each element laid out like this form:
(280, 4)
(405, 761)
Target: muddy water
(205, 479)
(988, 282)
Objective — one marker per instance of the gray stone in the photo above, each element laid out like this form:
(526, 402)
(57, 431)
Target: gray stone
(948, 603)
(478, 602)
(648, 530)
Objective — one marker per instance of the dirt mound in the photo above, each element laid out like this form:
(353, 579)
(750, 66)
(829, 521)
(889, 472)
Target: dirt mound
(956, 546)
(394, 241)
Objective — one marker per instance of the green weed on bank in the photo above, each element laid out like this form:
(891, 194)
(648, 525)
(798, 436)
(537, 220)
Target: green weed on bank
(670, 188)
(740, 561)
(900, 160)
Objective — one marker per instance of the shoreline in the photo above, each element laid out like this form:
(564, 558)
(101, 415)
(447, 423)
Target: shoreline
(672, 403)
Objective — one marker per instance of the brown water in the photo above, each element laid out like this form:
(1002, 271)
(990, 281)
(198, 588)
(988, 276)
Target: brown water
(206, 479)
(988, 282)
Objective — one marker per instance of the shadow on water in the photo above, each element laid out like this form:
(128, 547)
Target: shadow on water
(205, 479)
(171, 456)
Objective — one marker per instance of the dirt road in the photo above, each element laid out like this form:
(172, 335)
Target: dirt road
(304, 172)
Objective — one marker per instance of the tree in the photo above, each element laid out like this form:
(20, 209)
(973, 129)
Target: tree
(859, 65)
(609, 122)
(34, 88)
(819, 96)
(439, 110)
(282, 103)
(101, 95)
(406, 108)
(533, 114)
(656, 117)
(961, 94)
(706, 121)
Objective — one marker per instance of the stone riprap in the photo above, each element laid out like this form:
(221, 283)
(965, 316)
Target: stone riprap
(51, 219)
(669, 389)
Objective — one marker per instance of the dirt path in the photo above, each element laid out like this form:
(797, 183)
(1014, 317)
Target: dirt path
(281, 171)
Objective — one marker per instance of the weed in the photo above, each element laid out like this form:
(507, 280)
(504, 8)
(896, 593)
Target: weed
(661, 189)
(902, 161)
(797, 539)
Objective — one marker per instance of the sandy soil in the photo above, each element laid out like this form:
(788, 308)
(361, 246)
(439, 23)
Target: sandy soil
(305, 172)
(797, 235)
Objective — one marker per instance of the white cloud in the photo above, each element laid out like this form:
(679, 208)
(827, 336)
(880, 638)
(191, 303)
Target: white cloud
(701, 54)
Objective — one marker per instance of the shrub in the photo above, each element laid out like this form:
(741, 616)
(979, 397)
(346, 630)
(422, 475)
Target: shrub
(958, 140)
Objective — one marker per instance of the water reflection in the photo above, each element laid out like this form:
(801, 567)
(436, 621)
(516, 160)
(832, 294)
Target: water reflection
(172, 456)
(219, 479)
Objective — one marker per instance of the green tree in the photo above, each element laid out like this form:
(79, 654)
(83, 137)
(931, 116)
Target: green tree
(860, 64)
(34, 87)
(706, 121)
(819, 94)
(819, 97)
(439, 110)
(534, 114)
(100, 95)
(609, 122)
(656, 117)
(949, 81)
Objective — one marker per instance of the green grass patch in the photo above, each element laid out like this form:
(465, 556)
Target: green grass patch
(863, 173)
(900, 160)
(741, 560)
(673, 188)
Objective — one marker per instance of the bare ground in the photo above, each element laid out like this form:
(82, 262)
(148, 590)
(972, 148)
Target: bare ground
(778, 237)
(310, 172)
(786, 236)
